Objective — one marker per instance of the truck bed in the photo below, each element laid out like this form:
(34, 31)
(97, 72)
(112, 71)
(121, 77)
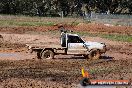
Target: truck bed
(43, 46)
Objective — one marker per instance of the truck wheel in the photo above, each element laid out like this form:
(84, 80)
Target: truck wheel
(47, 54)
(86, 56)
(94, 54)
(38, 55)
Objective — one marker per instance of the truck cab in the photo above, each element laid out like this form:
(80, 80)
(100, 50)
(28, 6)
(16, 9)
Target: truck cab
(77, 46)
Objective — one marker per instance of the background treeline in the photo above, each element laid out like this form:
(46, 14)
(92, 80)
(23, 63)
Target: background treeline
(69, 7)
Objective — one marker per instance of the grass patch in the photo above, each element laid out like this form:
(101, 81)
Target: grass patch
(21, 20)
(8, 23)
(74, 23)
(114, 37)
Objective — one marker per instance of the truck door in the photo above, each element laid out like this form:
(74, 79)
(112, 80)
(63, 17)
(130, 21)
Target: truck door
(75, 45)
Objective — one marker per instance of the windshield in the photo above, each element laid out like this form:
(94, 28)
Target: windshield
(74, 39)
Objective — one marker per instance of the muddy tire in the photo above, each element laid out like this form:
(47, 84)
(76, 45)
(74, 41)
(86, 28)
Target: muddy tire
(38, 55)
(94, 54)
(47, 54)
(86, 56)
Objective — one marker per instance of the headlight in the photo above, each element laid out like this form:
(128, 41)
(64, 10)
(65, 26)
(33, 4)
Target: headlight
(103, 44)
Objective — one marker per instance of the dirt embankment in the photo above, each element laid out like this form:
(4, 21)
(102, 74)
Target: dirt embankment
(91, 27)
(104, 28)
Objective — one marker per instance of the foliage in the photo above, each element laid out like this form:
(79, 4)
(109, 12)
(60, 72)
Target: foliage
(69, 7)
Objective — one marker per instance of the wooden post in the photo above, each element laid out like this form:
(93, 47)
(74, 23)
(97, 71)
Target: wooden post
(62, 15)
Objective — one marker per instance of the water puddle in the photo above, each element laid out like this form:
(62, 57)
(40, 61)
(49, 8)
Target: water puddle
(15, 56)
(10, 56)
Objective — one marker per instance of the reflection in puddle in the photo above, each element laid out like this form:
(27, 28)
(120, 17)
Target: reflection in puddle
(15, 56)
(8, 55)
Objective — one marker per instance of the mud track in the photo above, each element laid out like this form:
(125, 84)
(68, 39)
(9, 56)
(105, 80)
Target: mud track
(19, 69)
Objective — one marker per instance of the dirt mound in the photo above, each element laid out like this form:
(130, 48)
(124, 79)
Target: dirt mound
(21, 30)
(90, 27)
(101, 28)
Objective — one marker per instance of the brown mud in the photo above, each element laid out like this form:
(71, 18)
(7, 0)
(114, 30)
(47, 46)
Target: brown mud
(20, 69)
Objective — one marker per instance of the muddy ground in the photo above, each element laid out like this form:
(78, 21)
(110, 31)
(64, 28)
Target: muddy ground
(20, 69)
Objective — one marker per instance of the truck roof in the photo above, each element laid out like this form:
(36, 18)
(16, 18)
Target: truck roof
(72, 34)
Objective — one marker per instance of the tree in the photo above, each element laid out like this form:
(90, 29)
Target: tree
(53, 7)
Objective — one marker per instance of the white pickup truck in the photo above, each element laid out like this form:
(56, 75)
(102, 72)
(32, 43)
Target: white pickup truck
(71, 44)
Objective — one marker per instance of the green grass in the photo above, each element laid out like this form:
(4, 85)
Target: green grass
(117, 37)
(114, 37)
(20, 20)
(8, 23)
